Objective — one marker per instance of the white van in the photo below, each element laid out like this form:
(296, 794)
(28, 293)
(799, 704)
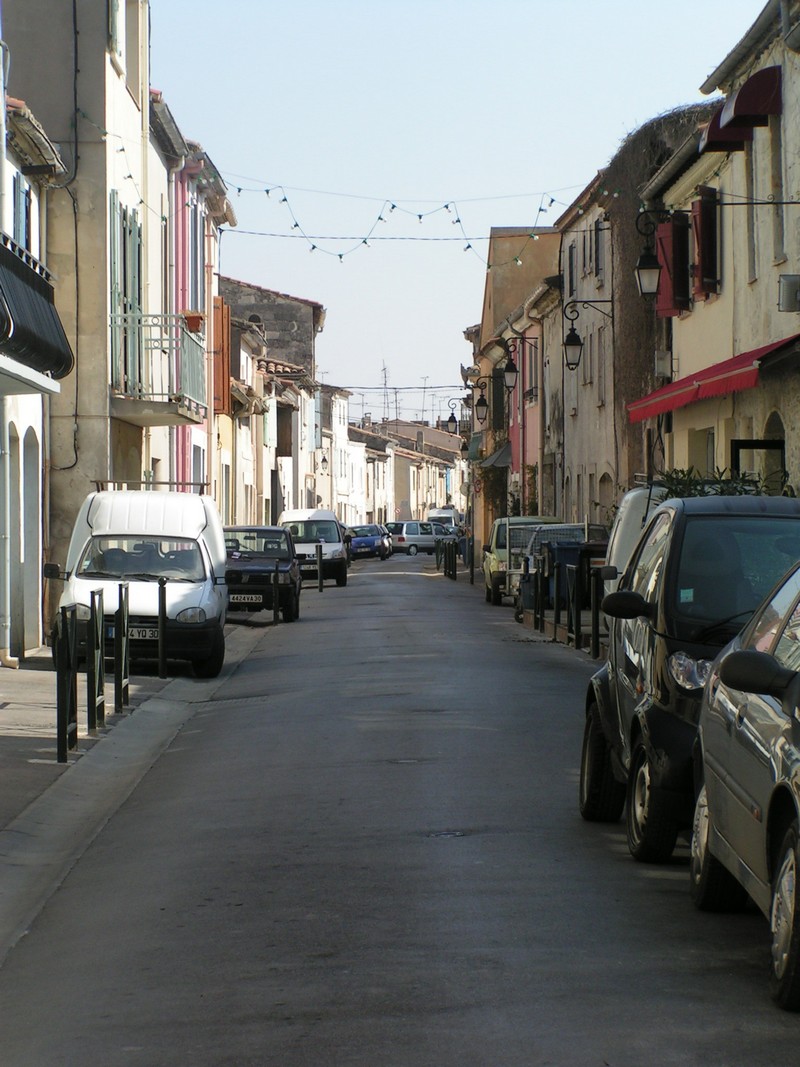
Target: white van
(139, 536)
(310, 527)
(447, 516)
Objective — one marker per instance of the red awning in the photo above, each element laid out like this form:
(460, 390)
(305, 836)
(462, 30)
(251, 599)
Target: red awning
(754, 101)
(716, 139)
(729, 376)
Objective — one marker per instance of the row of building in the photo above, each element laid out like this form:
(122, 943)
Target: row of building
(126, 359)
(699, 374)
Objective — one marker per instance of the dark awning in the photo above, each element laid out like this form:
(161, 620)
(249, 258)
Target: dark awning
(754, 101)
(500, 458)
(715, 139)
(729, 376)
(30, 329)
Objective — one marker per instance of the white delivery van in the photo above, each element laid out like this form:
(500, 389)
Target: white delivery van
(139, 536)
(310, 527)
(447, 516)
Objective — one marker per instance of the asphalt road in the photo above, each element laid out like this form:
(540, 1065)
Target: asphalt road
(366, 850)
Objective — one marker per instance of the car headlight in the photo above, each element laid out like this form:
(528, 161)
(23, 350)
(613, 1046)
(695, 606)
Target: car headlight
(283, 578)
(688, 672)
(191, 615)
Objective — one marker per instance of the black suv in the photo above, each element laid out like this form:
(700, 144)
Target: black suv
(256, 554)
(697, 573)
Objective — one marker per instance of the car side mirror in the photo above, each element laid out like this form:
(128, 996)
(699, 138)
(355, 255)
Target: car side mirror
(608, 572)
(52, 570)
(625, 604)
(750, 671)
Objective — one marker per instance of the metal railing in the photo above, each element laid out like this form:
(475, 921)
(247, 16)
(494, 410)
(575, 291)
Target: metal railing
(154, 357)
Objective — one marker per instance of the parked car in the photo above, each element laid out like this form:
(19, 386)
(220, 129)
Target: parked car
(255, 555)
(139, 537)
(508, 538)
(310, 527)
(367, 541)
(746, 829)
(445, 532)
(413, 537)
(626, 529)
(697, 574)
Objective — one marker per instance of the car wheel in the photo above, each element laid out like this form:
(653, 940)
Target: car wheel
(785, 925)
(712, 886)
(497, 595)
(412, 550)
(602, 797)
(211, 665)
(651, 833)
(341, 577)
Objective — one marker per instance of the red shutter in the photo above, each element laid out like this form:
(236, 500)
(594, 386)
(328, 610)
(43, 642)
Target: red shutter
(705, 273)
(672, 249)
(221, 354)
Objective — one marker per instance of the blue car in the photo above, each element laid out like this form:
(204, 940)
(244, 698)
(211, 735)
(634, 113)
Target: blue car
(367, 541)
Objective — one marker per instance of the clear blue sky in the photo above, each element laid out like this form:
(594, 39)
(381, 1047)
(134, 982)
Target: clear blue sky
(342, 108)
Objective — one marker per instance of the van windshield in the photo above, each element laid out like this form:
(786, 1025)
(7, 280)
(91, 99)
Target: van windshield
(146, 559)
(315, 530)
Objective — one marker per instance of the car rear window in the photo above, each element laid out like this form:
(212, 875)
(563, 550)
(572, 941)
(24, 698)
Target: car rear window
(728, 564)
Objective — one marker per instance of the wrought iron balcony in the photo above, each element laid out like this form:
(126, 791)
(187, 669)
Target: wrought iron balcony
(158, 375)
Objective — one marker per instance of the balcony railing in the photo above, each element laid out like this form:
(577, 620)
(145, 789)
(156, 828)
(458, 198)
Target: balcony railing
(157, 370)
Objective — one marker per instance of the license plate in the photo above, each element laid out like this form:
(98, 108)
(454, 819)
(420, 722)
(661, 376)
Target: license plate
(245, 598)
(308, 566)
(136, 633)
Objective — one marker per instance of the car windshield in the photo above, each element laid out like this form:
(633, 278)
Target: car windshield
(366, 531)
(143, 558)
(727, 565)
(313, 530)
(257, 542)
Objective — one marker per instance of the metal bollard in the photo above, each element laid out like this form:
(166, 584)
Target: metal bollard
(319, 568)
(66, 684)
(162, 627)
(95, 663)
(276, 594)
(121, 651)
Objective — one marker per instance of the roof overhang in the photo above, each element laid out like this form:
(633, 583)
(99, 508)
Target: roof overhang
(729, 376)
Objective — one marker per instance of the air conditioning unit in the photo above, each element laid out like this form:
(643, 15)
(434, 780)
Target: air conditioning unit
(789, 292)
(663, 363)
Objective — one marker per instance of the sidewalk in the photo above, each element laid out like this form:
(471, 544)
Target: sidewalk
(28, 765)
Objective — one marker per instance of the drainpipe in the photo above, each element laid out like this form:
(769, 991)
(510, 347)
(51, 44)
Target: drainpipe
(6, 659)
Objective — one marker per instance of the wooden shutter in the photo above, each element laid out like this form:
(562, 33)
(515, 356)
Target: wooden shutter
(672, 249)
(221, 355)
(705, 270)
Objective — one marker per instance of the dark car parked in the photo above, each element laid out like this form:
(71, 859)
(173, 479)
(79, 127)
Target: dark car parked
(255, 555)
(698, 572)
(746, 830)
(367, 541)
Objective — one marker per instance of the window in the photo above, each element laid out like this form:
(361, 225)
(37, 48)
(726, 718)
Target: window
(647, 569)
(672, 249)
(705, 269)
(22, 212)
(571, 278)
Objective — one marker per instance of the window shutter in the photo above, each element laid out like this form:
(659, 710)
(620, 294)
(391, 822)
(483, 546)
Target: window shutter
(221, 354)
(672, 249)
(705, 272)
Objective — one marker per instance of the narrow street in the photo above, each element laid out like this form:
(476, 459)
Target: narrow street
(365, 851)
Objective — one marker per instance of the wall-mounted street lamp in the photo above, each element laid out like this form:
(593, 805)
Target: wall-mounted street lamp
(452, 422)
(510, 375)
(648, 269)
(323, 463)
(573, 342)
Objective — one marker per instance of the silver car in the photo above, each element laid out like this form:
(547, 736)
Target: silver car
(413, 537)
(746, 830)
